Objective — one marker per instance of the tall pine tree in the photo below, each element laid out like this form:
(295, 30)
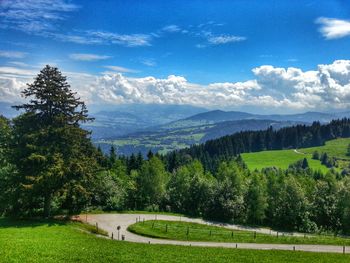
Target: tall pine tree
(54, 156)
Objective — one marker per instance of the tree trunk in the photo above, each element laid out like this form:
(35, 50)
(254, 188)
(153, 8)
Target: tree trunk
(47, 206)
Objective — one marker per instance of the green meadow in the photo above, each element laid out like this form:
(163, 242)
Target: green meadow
(54, 241)
(283, 158)
(176, 230)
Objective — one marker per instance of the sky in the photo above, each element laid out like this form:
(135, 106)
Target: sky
(256, 56)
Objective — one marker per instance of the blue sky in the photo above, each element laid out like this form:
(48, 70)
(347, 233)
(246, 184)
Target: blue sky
(246, 45)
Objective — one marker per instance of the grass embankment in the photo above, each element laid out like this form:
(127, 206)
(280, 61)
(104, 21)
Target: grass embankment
(283, 158)
(52, 241)
(177, 230)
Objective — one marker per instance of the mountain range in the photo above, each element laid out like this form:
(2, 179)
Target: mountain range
(161, 128)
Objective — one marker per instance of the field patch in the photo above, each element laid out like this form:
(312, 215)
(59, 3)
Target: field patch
(283, 158)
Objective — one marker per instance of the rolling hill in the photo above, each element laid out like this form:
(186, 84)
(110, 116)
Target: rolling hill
(283, 158)
(165, 140)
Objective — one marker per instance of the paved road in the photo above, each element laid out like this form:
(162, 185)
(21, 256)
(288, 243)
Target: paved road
(109, 222)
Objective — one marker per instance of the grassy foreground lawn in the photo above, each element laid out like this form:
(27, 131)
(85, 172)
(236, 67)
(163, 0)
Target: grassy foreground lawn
(199, 232)
(50, 241)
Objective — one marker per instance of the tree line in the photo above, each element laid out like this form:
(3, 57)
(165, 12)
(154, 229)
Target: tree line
(213, 152)
(48, 166)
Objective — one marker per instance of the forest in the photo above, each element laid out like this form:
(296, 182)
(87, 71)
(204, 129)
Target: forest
(49, 166)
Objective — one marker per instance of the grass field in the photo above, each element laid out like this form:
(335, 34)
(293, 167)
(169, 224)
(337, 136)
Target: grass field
(280, 159)
(335, 148)
(52, 241)
(199, 232)
(283, 158)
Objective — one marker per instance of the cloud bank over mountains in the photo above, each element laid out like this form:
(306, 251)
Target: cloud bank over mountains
(325, 88)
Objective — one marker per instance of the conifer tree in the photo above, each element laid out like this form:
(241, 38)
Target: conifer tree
(54, 156)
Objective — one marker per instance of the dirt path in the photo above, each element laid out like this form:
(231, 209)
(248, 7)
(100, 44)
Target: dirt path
(109, 222)
(296, 151)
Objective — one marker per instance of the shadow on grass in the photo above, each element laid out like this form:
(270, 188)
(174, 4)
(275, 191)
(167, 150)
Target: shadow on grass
(8, 222)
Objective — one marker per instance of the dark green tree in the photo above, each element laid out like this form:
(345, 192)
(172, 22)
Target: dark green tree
(256, 200)
(54, 156)
(112, 156)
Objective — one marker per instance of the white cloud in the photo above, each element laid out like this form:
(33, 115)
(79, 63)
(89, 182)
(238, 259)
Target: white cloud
(171, 28)
(19, 64)
(120, 69)
(283, 89)
(16, 72)
(224, 39)
(150, 62)
(10, 89)
(12, 54)
(88, 57)
(117, 88)
(34, 16)
(130, 40)
(332, 28)
(42, 17)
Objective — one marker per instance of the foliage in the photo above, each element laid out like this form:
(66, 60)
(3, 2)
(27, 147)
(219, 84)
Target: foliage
(53, 155)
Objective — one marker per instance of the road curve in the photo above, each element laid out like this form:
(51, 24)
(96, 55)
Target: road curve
(109, 222)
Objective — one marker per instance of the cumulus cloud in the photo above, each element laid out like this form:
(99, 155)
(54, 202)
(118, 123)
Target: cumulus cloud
(10, 89)
(284, 89)
(327, 87)
(332, 28)
(88, 57)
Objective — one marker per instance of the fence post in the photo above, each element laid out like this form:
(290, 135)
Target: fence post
(236, 245)
(293, 248)
(96, 228)
(112, 235)
(343, 249)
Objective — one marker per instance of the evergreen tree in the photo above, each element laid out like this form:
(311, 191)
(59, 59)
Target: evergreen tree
(316, 155)
(54, 156)
(305, 164)
(112, 156)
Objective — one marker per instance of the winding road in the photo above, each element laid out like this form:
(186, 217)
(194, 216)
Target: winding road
(109, 222)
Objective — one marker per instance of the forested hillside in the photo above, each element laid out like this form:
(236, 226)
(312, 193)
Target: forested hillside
(49, 166)
(211, 152)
